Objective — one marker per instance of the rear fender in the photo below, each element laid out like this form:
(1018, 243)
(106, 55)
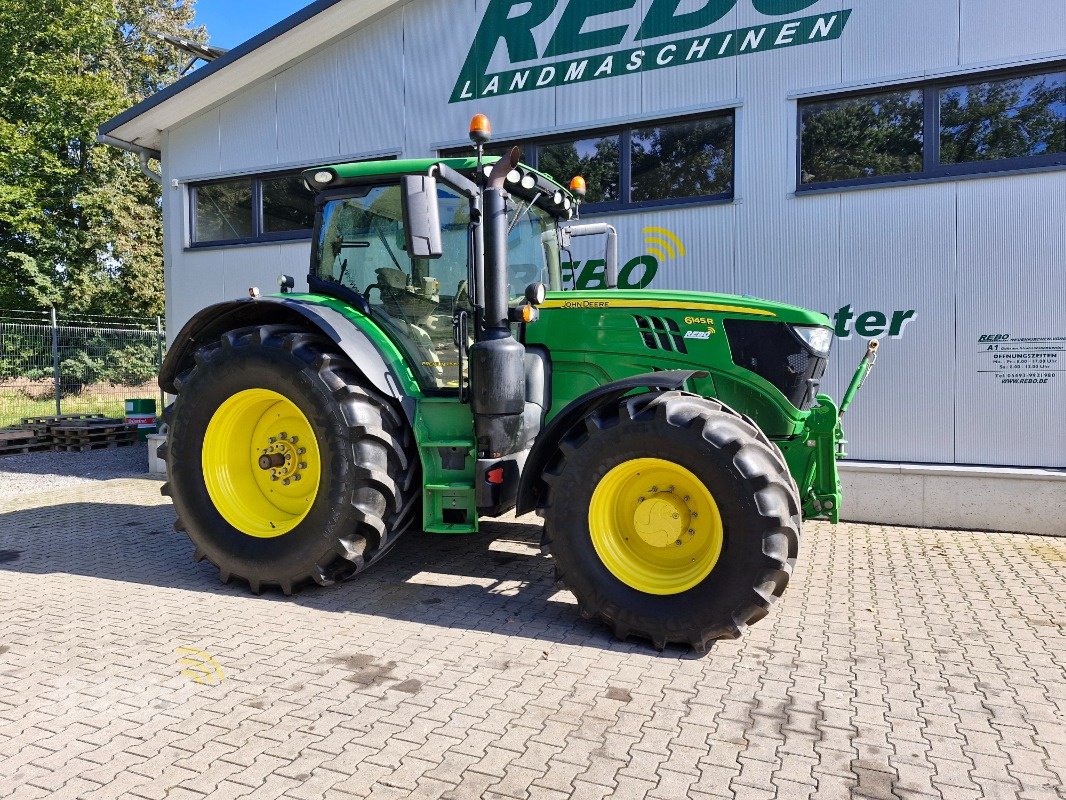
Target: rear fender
(210, 323)
(532, 487)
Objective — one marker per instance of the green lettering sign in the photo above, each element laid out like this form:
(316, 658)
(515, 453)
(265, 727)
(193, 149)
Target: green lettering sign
(568, 57)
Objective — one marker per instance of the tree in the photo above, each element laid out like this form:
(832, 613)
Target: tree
(80, 225)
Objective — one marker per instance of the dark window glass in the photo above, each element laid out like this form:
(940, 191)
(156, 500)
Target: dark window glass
(597, 159)
(224, 211)
(287, 205)
(688, 159)
(862, 137)
(1001, 119)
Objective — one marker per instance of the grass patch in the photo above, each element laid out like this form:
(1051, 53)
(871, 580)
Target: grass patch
(98, 399)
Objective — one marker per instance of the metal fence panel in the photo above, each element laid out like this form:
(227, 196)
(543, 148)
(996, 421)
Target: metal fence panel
(68, 364)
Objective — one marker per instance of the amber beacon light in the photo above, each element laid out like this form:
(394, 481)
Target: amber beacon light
(480, 129)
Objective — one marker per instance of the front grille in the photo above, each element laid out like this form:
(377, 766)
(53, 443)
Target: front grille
(660, 333)
(773, 351)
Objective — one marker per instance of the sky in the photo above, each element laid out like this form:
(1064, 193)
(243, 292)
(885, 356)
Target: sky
(231, 22)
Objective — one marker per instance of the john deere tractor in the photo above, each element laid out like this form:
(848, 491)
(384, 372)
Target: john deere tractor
(439, 372)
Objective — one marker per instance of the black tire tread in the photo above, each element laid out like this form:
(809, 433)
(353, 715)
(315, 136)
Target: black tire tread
(369, 417)
(774, 489)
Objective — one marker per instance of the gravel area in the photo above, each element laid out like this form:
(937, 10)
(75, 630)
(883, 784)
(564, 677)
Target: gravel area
(34, 473)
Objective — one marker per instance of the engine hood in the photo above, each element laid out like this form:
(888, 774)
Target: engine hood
(697, 302)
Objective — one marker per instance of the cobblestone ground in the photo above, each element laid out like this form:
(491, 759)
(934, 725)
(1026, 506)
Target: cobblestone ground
(901, 663)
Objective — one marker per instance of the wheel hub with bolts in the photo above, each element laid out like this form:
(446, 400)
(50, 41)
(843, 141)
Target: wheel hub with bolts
(284, 458)
(655, 526)
(664, 518)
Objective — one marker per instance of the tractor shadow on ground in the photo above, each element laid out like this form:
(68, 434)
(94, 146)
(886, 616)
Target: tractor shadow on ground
(494, 581)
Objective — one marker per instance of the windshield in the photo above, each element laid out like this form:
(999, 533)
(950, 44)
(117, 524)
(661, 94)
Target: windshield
(361, 246)
(532, 249)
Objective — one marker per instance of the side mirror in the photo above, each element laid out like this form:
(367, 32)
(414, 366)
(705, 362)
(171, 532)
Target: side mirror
(421, 212)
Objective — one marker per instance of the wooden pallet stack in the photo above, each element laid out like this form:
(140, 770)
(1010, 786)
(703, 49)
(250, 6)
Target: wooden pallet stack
(15, 441)
(68, 432)
(93, 434)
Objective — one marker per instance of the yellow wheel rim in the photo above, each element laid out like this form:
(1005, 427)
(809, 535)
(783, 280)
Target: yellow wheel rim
(261, 463)
(655, 526)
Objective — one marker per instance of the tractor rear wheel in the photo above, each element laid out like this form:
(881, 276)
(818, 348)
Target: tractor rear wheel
(673, 518)
(282, 468)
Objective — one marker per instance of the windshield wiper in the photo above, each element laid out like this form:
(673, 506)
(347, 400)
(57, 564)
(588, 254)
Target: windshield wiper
(521, 212)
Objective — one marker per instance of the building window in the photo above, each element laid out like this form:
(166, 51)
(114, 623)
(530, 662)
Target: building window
(598, 159)
(688, 159)
(287, 205)
(253, 209)
(224, 211)
(659, 163)
(1005, 119)
(862, 137)
(943, 128)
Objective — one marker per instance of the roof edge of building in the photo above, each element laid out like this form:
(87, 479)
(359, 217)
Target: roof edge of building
(212, 68)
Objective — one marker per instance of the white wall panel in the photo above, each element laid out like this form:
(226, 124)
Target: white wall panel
(245, 267)
(606, 98)
(193, 148)
(692, 85)
(248, 129)
(886, 39)
(898, 254)
(195, 282)
(433, 57)
(294, 260)
(309, 116)
(1010, 282)
(996, 31)
(370, 87)
(784, 246)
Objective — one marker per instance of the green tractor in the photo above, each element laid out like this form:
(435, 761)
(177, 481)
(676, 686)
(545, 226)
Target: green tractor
(438, 372)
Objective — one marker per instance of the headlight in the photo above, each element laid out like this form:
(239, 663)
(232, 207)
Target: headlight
(817, 338)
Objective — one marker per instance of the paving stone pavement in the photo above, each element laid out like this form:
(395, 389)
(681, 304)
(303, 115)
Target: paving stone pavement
(901, 663)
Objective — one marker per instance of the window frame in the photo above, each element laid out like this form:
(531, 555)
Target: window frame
(259, 235)
(932, 169)
(531, 156)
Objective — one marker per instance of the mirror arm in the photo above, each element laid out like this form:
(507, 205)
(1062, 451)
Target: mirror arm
(598, 229)
(462, 184)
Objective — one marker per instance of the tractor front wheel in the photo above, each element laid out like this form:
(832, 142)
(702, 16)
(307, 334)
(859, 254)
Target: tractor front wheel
(283, 469)
(673, 518)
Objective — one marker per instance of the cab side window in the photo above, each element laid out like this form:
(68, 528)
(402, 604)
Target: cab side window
(361, 246)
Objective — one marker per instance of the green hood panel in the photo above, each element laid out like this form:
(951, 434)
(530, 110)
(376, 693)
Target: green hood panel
(698, 302)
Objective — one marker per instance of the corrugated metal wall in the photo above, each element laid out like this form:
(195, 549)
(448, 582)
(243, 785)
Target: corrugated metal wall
(969, 257)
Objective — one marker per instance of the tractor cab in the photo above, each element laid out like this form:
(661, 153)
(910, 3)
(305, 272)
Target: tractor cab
(360, 251)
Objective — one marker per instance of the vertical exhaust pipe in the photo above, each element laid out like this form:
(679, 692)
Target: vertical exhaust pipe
(497, 360)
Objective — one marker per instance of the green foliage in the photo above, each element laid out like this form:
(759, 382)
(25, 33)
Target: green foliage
(132, 365)
(80, 226)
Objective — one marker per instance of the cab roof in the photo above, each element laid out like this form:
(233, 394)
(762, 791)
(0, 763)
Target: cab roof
(546, 190)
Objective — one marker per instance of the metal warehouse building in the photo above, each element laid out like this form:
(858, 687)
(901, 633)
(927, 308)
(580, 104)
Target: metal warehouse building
(898, 164)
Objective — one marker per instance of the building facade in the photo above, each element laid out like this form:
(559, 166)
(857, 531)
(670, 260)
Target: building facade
(898, 165)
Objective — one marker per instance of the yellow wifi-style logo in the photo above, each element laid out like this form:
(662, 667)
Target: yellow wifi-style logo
(664, 244)
(199, 667)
